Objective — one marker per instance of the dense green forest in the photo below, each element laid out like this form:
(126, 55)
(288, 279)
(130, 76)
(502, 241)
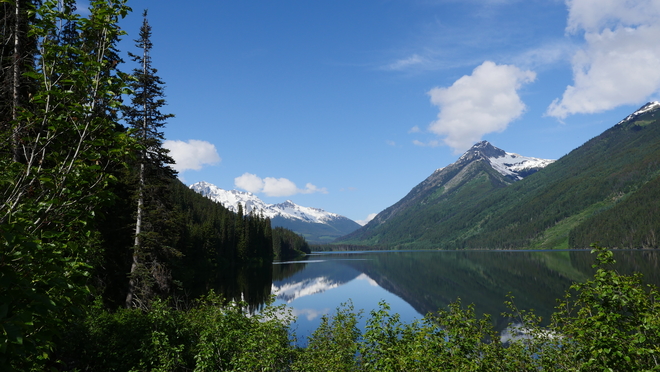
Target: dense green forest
(287, 244)
(109, 263)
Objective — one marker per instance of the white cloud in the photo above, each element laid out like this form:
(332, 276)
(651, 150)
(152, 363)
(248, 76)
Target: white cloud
(310, 314)
(414, 129)
(273, 186)
(618, 64)
(432, 143)
(249, 182)
(279, 187)
(311, 189)
(540, 57)
(402, 64)
(484, 102)
(366, 220)
(596, 15)
(192, 154)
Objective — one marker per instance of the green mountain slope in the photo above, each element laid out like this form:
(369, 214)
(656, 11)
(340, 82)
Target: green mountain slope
(436, 200)
(608, 178)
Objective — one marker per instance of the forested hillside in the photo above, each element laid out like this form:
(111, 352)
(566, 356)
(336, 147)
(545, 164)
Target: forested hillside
(600, 191)
(430, 204)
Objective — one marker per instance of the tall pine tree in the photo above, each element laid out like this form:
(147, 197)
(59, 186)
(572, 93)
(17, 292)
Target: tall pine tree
(154, 223)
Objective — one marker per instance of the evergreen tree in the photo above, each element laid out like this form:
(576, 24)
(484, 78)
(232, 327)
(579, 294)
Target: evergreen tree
(287, 244)
(149, 274)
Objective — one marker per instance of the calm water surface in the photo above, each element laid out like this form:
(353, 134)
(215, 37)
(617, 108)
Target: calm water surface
(414, 283)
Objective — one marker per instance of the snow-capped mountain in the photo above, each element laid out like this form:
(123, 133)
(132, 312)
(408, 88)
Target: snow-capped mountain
(315, 224)
(471, 204)
(251, 203)
(650, 106)
(479, 171)
(506, 163)
(230, 198)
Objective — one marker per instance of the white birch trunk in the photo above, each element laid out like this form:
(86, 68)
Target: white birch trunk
(15, 82)
(132, 284)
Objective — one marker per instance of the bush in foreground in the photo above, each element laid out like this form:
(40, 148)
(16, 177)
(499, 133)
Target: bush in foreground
(211, 336)
(609, 323)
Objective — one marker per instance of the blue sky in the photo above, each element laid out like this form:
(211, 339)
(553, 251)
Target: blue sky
(347, 105)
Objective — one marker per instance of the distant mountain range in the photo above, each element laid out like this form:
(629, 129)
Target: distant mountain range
(316, 225)
(606, 190)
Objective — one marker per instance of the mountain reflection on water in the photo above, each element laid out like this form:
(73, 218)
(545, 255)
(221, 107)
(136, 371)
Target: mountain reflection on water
(418, 282)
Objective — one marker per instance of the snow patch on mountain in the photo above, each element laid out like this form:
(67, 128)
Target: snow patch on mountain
(515, 165)
(252, 204)
(646, 108)
(309, 214)
(506, 163)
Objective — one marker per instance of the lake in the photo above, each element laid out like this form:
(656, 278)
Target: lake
(414, 283)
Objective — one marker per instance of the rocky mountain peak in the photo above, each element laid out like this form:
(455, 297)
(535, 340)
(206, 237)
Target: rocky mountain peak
(511, 165)
(480, 150)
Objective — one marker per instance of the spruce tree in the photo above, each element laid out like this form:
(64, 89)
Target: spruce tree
(149, 273)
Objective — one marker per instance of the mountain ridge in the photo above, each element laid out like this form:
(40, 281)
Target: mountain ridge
(500, 167)
(474, 206)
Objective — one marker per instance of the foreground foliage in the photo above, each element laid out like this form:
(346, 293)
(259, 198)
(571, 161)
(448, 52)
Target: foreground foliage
(211, 336)
(609, 323)
(58, 144)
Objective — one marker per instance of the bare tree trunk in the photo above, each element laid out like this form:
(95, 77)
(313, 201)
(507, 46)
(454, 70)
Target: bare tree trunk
(133, 282)
(15, 137)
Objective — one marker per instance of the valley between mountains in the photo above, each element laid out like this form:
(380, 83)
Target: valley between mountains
(607, 190)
